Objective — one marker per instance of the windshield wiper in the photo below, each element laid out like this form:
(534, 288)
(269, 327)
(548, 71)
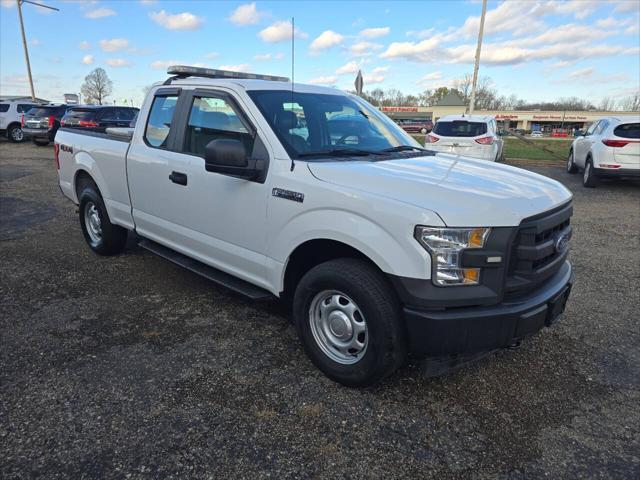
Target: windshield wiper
(340, 152)
(402, 148)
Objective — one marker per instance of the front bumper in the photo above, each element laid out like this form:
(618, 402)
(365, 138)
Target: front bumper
(469, 330)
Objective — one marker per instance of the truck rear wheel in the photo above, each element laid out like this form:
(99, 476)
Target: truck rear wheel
(349, 322)
(101, 235)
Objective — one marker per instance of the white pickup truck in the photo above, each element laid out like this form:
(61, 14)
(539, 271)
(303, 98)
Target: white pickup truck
(312, 195)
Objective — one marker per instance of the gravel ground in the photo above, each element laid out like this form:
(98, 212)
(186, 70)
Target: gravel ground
(130, 367)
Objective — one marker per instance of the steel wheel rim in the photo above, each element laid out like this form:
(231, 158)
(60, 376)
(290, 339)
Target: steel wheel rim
(17, 134)
(92, 223)
(338, 327)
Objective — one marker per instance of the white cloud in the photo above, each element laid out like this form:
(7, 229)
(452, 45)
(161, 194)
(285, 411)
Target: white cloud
(268, 56)
(330, 80)
(35, 42)
(164, 64)
(364, 49)
(376, 76)
(246, 14)
(114, 44)
(8, 3)
(430, 79)
(242, 67)
(375, 32)
(582, 73)
(424, 51)
(118, 62)
(212, 55)
(280, 31)
(84, 45)
(100, 13)
(625, 6)
(326, 40)
(179, 21)
(608, 22)
(347, 68)
(87, 59)
(148, 2)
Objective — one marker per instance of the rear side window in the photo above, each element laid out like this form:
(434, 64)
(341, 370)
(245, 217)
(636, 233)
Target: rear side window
(24, 107)
(627, 130)
(160, 119)
(460, 129)
(126, 114)
(214, 118)
(108, 114)
(41, 111)
(81, 114)
(4, 107)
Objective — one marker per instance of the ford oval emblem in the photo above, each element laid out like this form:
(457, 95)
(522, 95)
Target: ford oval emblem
(562, 243)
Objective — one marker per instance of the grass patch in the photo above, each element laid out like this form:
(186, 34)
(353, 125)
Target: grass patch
(516, 148)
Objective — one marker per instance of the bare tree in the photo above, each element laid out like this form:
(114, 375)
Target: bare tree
(607, 104)
(97, 86)
(630, 103)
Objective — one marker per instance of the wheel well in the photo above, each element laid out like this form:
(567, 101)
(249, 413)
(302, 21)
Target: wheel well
(82, 179)
(312, 253)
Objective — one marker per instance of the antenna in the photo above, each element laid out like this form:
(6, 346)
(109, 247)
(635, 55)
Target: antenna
(293, 78)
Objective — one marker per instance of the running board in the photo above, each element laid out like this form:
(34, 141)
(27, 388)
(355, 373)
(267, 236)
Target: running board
(221, 278)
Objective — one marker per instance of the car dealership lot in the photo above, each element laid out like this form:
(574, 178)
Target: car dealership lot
(131, 365)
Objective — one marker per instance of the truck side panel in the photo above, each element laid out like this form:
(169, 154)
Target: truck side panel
(103, 158)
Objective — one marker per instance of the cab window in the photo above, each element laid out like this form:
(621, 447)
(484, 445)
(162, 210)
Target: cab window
(159, 122)
(212, 118)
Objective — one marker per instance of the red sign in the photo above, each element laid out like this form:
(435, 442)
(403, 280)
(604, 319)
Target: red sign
(399, 109)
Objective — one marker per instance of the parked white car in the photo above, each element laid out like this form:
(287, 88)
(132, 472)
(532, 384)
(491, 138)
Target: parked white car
(467, 135)
(383, 248)
(11, 118)
(536, 134)
(609, 148)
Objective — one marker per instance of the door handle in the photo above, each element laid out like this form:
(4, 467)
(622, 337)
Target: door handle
(179, 178)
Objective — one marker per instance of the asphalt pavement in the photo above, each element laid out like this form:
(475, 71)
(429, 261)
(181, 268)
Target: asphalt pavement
(131, 367)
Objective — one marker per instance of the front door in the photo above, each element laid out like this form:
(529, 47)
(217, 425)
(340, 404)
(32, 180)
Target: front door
(215, 218)
(583, 144)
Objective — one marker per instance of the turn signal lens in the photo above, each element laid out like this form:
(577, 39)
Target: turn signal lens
(471, 275)
(431, 139)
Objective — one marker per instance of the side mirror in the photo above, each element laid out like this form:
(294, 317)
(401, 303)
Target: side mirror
(229, 157)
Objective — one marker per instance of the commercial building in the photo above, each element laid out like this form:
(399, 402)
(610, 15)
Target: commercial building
(547, 121)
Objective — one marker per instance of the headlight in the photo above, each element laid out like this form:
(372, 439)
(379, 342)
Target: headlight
(445, 246)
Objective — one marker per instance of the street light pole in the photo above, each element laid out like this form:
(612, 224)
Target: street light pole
(26, 50)
(24, 41)
(472, 100)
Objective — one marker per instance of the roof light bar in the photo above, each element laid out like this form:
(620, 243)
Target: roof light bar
(184, 71)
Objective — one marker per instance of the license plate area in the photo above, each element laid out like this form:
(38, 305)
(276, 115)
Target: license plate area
(557, 305)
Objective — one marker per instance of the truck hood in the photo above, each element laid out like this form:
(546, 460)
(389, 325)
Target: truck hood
(462, 191)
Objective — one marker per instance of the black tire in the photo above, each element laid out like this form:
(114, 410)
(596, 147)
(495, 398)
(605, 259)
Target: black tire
(41, 143)
(112, 238)
(589, 178)
(571, 164)
(386, 347)
(15, 134)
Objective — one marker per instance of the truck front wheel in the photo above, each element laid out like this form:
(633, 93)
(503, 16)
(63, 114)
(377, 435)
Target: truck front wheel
(101, 235)
(349, 322)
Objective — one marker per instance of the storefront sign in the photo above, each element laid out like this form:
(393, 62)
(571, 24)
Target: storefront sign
(399, 109)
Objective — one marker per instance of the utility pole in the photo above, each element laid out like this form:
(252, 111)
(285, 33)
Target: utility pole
(472, 100)
(24, 40)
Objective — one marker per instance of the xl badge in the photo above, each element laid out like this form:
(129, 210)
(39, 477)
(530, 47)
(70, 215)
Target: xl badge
(288, 194)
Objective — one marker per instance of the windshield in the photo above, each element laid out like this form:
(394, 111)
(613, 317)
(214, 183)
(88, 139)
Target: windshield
(310, 124)
(460, 128)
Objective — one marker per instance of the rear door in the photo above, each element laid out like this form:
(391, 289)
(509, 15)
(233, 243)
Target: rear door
(459, 137)
(628, 154)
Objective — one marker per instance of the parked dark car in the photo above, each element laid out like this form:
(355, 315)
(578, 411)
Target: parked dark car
(41, 123)
(98, 118)
(416, 126)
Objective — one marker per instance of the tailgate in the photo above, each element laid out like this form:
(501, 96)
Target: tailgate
(629, 155)
(462, 146)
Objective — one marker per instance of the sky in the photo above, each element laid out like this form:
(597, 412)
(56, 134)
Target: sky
(537, 50)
